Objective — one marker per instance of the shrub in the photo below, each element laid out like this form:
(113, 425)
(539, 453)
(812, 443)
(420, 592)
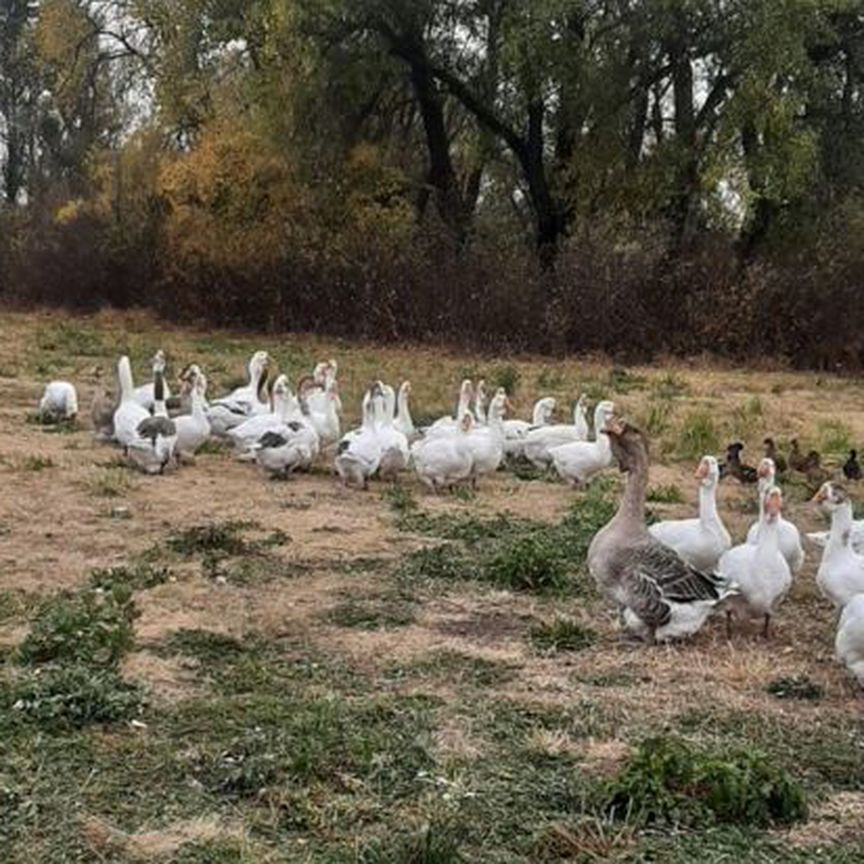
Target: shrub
(670, 781)
(76, 696)
(93, 627)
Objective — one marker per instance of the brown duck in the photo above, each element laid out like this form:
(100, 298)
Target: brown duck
(736, 468)
(771, 452)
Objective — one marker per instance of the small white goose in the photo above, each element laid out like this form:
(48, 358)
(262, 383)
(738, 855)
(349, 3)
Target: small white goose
(579, 461)
(701, 541)
(790, 537)
(849, 642)
(443, 461)
(449, 424)
(487, 442)
(244, 402)
(539, 442)
(156, 437)
(324, 375)
(359, 453)
(323, 414)
(759, 571)
(129, 413)
(244, 435)
(289, 449)
(145, 395)
(58, 402)
(403, 420)
(193, 429)
(516, 431)
(841, 572)
(395, 454)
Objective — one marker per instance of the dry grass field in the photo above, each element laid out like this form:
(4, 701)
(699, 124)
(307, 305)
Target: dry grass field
(214, 667)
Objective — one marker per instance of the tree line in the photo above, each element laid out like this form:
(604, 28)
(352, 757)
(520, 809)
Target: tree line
(632, 176)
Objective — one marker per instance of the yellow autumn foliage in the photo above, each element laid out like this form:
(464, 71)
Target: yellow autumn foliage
(231, 202)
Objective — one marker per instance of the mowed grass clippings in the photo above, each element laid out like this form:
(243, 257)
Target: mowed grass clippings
(241, 671)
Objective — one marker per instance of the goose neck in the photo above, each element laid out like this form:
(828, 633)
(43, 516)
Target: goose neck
(841, 527)
(707, 504)
(632, 507)
(124, 374)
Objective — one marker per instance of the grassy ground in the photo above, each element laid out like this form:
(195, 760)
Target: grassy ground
(213, 667)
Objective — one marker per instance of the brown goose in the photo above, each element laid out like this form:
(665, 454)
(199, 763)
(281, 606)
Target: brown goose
(659, 595)
(102, 409)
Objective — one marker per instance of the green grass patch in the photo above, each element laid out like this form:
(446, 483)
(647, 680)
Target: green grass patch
(110, 483)
(37, 463)
(835, 438)
(672, 782)
(562, 634)
(798, 687)
(135, 577)
(456, 668)
(372, 614)
(509, 552)
(669, 494)
(698, 435)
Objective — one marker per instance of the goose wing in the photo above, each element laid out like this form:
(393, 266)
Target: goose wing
(656, 576)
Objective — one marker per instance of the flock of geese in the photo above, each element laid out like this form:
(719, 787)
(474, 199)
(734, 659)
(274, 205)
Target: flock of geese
(665, 579)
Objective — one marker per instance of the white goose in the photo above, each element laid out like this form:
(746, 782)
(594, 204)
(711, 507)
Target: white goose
(849, 642)
(244, 402)
(252, 428)
(539, 442)
(193, 429)
(58, 402)
(516, 431)
(759, 571)
(144, 395)
(323, 414)
(579, 461)
(480, 403)
(790, 537)
(359, 453)
(156, 437)
(282, 452)
(324, 375)
(129, 413)
(445, 460)
(841, 571)
(403, 420)
(395, 454)
(701, 541)
(487, 442)
(449, 424)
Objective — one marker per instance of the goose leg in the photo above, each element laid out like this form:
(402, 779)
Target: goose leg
(766, 629)
(728, 624)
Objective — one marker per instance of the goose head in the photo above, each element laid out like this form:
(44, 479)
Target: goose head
(770, 447)
(766, 470)
(831, 497)
(280, 390)
(480, 399)
(389, 398)
(772, 504)
(404, 389)
(319, 373)
(200, 386)
(603, 413)
(629, 444)
(708, 472)
(466, 391)
(499, 404)
(257, 365)
(158, 362)
(544, 409)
